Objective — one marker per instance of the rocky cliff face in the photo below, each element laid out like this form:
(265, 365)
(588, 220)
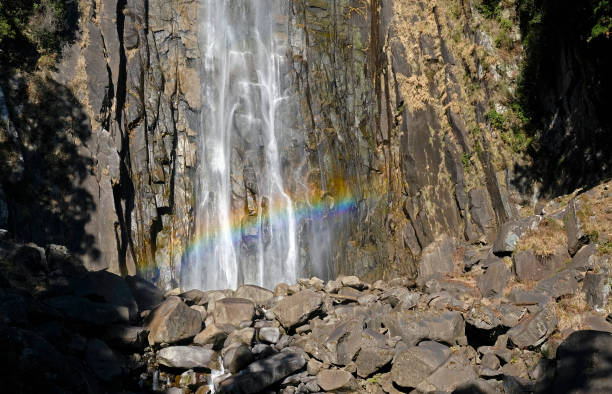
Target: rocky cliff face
(395, 103)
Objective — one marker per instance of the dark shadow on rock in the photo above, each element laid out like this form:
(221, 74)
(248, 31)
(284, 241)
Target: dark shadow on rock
(45, 163)
(566, 89)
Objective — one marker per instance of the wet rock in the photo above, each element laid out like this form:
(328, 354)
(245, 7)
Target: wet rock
(596, 287)
(295, 309)
(584, 362)
(511, 232)
(237, 357)
(102, 360)
(414, 364)
(576, 236)
(534, 330)
(263, 373)
(147, 295)
(233, 311)
(214, 334)
(337, 379)
(269, 334)
(173, 321)
(186, 357)
(437, 258)
(492, 283)
(258, 295)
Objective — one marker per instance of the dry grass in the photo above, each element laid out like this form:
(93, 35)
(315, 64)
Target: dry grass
(595, 214)
(545, 240)
(570, 312)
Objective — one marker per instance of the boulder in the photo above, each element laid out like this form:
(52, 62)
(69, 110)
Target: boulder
(233, 311)
(214, 334)
(534, 330)
(492, 282)
(596, 287)
(102, 360)
(147, 295)
(127, 336)
(530, 267)
(243, 335)
(414, 364)
(559, 285)
(456, 371)
(296, 309)
(415, 326)
(103, 285)
(263, 373)
(511, 232)
(437, 258)
(576, 236)
(258, 295)
(237, 357)
(194, 297)
(186, 357)
(86, 311)
(269, 334)
(585, 258)
(352, 281)
(173, 321)
(584, 363)
(336, 379)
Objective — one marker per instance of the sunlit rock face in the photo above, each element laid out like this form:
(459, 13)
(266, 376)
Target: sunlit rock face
(257, 142)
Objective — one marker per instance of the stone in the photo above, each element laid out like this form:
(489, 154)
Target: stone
(214, 334)
(314, 366)
(530, 267)
(244, 335)
(584, 362)
(258, 295)
(194, 297)
(332, 286)
(414, 364)
(233, 311)
(127, 336)
(584, 259)
(295, 309)
(576, 236)
(596, 287)
(102, 360)
(372, 358)
(336, 379)
(83, 310)
(437, 258)
(173, 321)
(147, 295)
(490, 361)
(112, 288)
(483, 317)
(186, 357)
(237, 357)
(401, 296)
(559, 285)
(415, 326)
(455, 371)
(269, 334)
(261, 350)
(480, 386)
(492, 282)
(263, 373)
(534, 330)
(352, 281)
(528, 297)
(511, 232)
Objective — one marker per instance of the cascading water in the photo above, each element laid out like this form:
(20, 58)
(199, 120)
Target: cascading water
(245, 221)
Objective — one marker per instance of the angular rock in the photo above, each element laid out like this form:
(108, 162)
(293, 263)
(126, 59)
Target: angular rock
(483, 317)
(416, 363)
(584, 362)
(492, 283)
(559, 285)
(214, 334)
(102, 360)
(336, 379)
(112, 288)
(186, 357)
(401, 296)
(534, 330)
(147, 295)
(245, 335)
(263, 373)
(455, 371)
(173, 321)
(258, 295)
(126, 336)
(233, 311)
(269, 334)
(529, 267)
(237, 357)
(528, 297)
(437, 258)
(295, 309)
(194, 297)
(372, 358)
(352, 281)
(480, 386)
(576, 236)
(585, 258)
(415, 326)
(84, 310)
(511, 232)
(596, 287)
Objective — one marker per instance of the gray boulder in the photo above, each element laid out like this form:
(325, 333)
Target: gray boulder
(456, 371)
(492, 282)
(534, 330)
(147, 295)
(186, 357)
(173, 321)
(530, 267)
(258, 295)
(576, 236)
(237, 357)
(233, 311)
(511, 232)
(296, 309)
(336, 379)
(263, 373)
(437, 258)
(414, 364)
(269, 334)
(559, 285)
(596, 287)
(415, 326)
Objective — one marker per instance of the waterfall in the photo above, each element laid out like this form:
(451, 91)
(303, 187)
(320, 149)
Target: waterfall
(244, 217)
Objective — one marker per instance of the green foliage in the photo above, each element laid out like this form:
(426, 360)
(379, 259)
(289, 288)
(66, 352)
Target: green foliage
(465, 161)
(602, 13)
(512, 127)
(496, 119)
(489, 8)
(605, 248)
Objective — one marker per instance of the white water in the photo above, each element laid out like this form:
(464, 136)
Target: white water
(243, 122)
